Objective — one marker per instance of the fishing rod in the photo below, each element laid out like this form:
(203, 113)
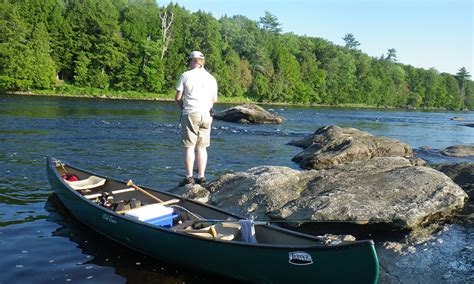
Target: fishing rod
(300, 221)
(179, 123)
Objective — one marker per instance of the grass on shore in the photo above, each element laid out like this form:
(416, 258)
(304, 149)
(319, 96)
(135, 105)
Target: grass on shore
(87, 92)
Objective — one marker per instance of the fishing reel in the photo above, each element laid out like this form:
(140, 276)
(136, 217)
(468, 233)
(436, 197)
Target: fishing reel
(106, 200)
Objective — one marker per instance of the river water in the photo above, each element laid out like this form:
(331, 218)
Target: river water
(40, 241)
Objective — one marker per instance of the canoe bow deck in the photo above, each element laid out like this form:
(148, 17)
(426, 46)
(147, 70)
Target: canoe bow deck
(278, 256)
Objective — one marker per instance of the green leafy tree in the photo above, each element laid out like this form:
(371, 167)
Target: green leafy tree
(469, 91)
(313, 77)
(96, 47)
(287, 80)
(14, 50)
(364, 89)
(207, 38)
(24, 51)
(138, 45)
(43, 72)
(260, 89)
(452, 99)
(234, 76)
(152, 67)
(143, 68)
(341, 79)
(241, 34)
(431, 83)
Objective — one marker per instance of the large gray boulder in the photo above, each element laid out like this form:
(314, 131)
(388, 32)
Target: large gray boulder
(332, 145)
(458, 151)
(385, 190)
(248, 113)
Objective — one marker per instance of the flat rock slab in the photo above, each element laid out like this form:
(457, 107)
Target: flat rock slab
(386, 190)
(332, 145)
(248, 113)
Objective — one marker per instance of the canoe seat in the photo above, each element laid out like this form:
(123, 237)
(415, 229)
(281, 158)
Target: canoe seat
(90, 182)
(226, 231)
(118, 191)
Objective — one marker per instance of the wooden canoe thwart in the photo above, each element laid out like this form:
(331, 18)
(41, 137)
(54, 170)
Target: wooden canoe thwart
(203, 237)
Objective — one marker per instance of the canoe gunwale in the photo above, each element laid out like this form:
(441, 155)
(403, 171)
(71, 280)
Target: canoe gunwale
(104, 210)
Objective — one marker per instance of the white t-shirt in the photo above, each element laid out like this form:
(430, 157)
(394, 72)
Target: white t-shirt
(199, 89)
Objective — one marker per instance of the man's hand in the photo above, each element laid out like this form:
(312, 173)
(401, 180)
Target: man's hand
(179, 99)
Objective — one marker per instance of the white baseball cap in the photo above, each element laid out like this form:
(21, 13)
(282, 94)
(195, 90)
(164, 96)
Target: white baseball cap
(196, 54)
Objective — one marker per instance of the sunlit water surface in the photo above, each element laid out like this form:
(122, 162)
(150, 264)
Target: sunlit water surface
(40, 241)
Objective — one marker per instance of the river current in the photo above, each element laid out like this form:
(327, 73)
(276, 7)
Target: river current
(127, 139)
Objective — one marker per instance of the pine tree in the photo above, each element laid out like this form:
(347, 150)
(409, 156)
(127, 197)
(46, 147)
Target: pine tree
(391, 55)
(270, 23)
(462, 77)
(351, 42)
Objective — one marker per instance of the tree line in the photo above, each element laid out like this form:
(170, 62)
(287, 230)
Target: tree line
(139, 45)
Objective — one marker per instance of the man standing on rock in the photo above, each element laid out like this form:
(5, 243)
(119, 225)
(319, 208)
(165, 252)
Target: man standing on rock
(196, 93)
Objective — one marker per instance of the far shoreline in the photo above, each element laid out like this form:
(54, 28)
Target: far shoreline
(137, 96)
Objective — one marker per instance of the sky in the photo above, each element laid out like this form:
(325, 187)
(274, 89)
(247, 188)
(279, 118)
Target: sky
(425, 33)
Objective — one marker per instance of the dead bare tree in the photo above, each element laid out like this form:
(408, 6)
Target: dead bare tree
(166, 21)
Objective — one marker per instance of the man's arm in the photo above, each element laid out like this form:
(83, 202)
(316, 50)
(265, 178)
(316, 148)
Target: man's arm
(179, 98)
(214, 97)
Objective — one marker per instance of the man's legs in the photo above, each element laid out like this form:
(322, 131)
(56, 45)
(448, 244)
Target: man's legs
(196, 137)
(189, 157)
(201, 157)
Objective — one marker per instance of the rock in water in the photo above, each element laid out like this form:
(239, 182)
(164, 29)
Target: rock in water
(248, 113)
(332, 145)
(463, 175)
(459, 151)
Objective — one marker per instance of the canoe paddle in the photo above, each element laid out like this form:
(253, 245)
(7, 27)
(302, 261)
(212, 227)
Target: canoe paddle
(130, 183)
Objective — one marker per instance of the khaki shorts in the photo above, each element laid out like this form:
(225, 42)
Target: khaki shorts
(196, 130)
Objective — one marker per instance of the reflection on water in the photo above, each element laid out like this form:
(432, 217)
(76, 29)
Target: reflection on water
(137, 140)
(102, 252)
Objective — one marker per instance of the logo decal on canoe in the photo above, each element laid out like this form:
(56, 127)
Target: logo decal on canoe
(109, 218)
(300, 258)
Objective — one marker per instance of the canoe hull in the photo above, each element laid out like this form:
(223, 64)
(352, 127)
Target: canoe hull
(251, 262)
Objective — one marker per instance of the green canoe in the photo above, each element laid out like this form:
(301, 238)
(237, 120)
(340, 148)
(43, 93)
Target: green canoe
(184, 237)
